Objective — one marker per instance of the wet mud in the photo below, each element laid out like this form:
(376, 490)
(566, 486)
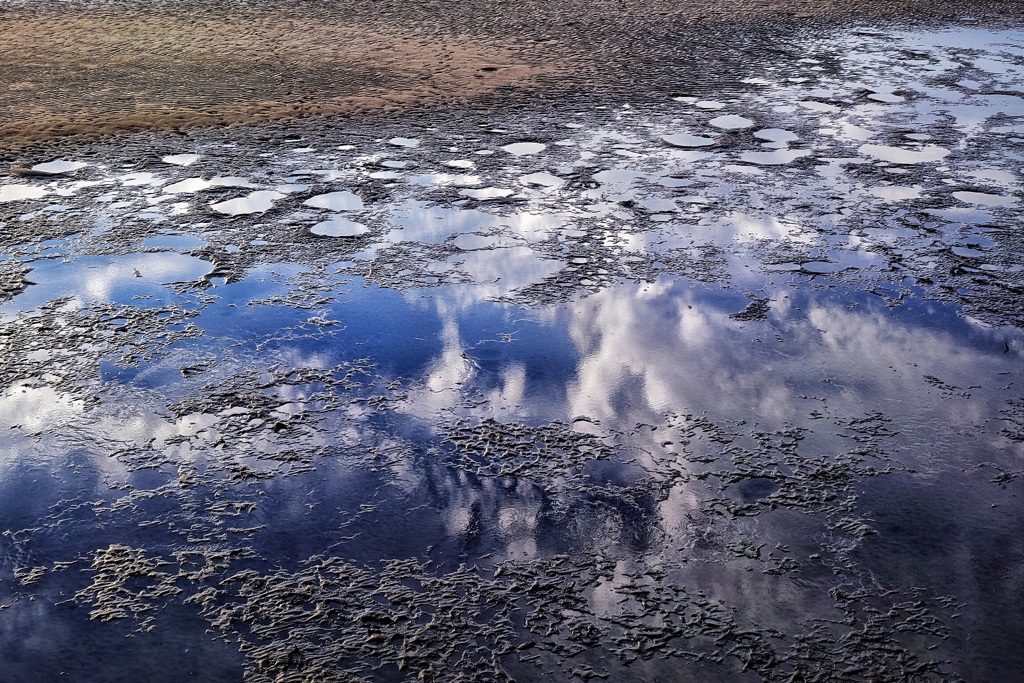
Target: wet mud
(94, 69)
(722, 383)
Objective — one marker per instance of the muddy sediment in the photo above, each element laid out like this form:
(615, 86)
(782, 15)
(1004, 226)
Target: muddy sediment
(83, 69)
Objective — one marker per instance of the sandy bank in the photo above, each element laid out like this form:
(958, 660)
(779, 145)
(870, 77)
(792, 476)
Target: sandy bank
(94, 70)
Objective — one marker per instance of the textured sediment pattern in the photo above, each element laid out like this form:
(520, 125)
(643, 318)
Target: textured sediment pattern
(93, 69)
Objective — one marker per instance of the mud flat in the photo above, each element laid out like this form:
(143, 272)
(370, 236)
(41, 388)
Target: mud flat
(624, 361)
(72, 69)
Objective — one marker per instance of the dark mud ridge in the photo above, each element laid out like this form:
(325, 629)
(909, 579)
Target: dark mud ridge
(721, 384)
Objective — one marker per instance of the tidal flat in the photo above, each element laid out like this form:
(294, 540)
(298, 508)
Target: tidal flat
(616, 341)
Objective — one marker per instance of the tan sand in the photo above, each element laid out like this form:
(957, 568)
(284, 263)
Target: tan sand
(79, 70)
(94, 72)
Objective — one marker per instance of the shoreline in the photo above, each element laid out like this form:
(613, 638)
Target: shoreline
(83, 71)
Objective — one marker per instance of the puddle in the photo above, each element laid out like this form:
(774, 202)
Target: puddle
(776, 158)
(895, 193)
(740, 227)
(542, 179)
(687, 140)
(996, 175)
(141, 179)
(900, 155)
(181, 159)
(231, 181)
(777, 136)
(984, 199)
(59, 167)
(14, 193)
(524, 148)
(474, 241)
(967, 252)
(577, 429)
(731, 122)
(91, 279)
(335, 201)
(339, 227)
(175, 242)
(486, 193)
(658, 205)
(409, 143)
(255, 202)
(821, 267)
(819, 107)
(189, 185)
(420, 222)
(458, 180)
(888, 98)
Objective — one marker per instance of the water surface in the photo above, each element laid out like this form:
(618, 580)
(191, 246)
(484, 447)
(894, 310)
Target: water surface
(725, 387)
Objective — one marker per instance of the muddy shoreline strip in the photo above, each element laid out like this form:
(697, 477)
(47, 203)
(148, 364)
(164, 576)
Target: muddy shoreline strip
(93, 70)
(96, 71)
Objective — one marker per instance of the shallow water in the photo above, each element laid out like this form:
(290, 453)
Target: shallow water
(339, 227)
(59, 166)
(687, 140)
(335, 201)
(620, 408)
(260, 201)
